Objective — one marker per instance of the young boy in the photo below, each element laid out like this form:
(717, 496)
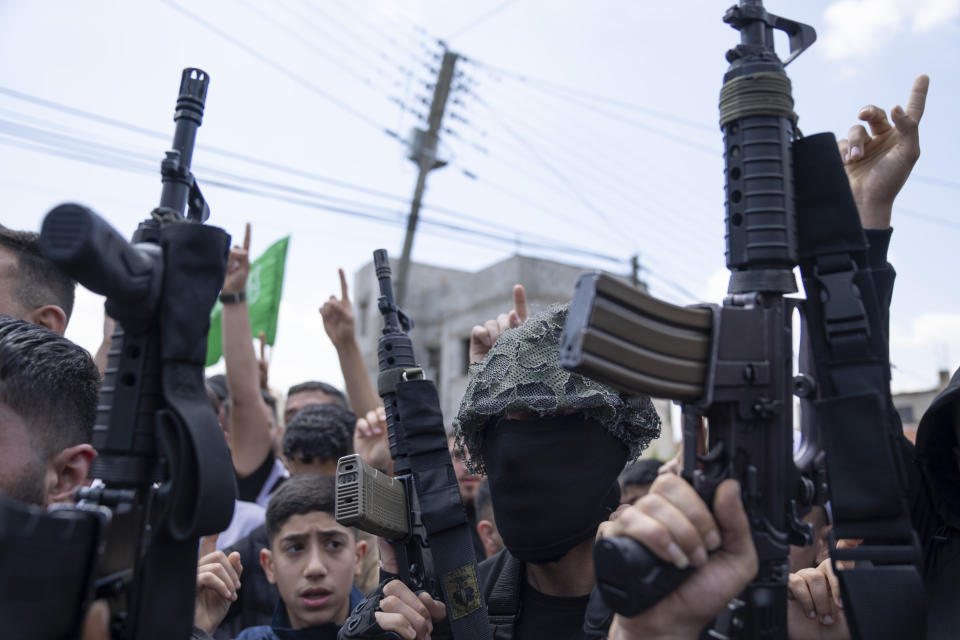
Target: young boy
(312, 559)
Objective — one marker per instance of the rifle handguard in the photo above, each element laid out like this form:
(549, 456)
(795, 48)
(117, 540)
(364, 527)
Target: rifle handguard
(370, 500)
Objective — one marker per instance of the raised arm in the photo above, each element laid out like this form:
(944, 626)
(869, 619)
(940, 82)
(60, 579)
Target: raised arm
(879, 162)
(250, 423)
(339, 323)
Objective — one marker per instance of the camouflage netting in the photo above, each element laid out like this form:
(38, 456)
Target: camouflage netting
(521, 374)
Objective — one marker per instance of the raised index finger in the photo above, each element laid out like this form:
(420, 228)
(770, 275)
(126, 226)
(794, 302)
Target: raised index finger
(343, 285)
(246, 238)
(918, 97)
(520, 302)
(208, 544)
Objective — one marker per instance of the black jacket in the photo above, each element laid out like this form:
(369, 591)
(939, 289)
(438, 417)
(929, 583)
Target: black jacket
(501, 579)
(935, 509)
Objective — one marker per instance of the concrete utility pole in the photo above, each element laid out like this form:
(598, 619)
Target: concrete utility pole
(423, 151)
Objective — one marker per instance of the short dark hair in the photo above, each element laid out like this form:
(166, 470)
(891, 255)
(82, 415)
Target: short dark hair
(50, 382)
(640, 472)
(38, 281)
(298, 496)
(483, 503)
(313, 385)
(322, 431)
(218, 384)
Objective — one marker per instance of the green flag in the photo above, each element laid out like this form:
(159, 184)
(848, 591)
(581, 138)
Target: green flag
(264, 286)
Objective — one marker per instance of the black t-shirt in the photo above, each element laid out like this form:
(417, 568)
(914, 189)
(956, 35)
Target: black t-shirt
(249, 488)
(543, 616)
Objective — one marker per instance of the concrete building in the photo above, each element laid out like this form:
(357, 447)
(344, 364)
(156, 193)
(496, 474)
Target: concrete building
(911, 405)
(445, 304)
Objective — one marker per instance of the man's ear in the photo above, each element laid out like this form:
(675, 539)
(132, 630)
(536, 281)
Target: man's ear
(488, 536)
(361, 554)
(266, 561)
(50, 316)
(67, 471)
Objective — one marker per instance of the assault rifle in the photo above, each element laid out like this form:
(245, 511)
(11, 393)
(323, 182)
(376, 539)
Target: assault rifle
(730, 365)
(419, 510)
(165, 469)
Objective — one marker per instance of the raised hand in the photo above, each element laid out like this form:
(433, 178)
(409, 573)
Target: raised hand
(238, 266)
(338, 319)
(218, 579)
(879, 162)
(483, 336)
(814, 605)
(370, 440)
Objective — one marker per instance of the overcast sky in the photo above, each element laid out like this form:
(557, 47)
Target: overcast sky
(582, 131)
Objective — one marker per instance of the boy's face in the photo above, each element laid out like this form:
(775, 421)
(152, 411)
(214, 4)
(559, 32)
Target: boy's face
(313, 561)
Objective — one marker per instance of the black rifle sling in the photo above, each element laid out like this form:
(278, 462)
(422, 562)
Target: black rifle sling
(883, 594)
(201, 485)
(441, 509)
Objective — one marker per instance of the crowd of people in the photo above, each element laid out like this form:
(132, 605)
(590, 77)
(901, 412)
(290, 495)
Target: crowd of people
(546, 461)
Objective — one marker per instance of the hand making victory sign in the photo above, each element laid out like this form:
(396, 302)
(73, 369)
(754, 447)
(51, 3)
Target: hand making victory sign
(238, 266)
(338, 318)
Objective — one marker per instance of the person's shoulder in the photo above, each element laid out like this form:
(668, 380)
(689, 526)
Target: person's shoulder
(492, 566)
(263, 632)
(500, 572)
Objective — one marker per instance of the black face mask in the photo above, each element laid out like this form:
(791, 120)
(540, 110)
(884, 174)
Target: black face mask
(552, 482)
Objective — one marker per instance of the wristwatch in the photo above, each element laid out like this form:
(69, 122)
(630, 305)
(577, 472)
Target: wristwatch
(233, 298)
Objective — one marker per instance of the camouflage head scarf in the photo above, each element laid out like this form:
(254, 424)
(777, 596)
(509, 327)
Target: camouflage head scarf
(520, 374)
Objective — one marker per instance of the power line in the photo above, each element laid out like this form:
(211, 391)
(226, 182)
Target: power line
(558, 90)
(256, 161)
(349, 8)
(941, 182)
(606, 183)
(282, 168)
(483, 18)
(47, 142)
(563, 179)
(594, 109)
(375, 51)
(339, 62)
(943, 222)
(530, 202)
(621, 230)
(282, 69)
